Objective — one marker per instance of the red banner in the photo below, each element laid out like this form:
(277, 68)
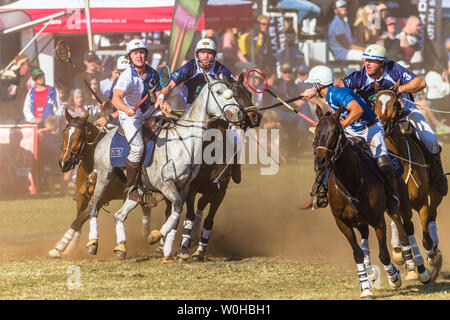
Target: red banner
(18, 154)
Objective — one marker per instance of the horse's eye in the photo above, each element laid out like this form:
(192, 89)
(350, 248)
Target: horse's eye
(219, 91)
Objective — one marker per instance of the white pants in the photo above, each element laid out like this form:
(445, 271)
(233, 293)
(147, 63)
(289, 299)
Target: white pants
(423, 130)
(132, 127)
(374, 136)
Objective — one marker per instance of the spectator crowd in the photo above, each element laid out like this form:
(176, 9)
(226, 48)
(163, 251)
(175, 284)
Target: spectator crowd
(348, 27)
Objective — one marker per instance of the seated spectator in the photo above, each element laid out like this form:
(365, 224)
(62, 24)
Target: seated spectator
(62, 93)
(365, 28)
(307, 13)
(290, 53)
(91, 62)
(91, 104)
(75, 105)
(340, 36)
(409, 41)
(382, 15)
(232, 56)
(438, 88)
(390, 41)
(41, 101)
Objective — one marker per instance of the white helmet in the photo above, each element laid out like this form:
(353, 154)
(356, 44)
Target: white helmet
(376, 52)
(205, 43)
(122, 63)
(135, 44)
(321, 75)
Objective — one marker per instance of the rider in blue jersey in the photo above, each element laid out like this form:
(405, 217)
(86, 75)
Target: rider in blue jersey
(357, 120)
(387, 73)
(192, 77)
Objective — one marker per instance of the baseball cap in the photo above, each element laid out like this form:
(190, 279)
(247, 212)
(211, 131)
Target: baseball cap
(341, 3)
(390, 20)
(302, 69)
(36, 73)
(91, 56)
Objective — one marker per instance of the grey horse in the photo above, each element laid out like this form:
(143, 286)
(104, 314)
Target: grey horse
(176, 161)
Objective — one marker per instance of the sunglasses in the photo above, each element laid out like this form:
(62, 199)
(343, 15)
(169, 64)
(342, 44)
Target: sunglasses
(263, 23)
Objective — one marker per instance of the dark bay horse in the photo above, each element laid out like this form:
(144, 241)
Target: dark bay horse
(80, 138)
(423, 195)
(355, 199)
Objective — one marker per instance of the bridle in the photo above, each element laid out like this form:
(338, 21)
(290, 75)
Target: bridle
(390, 126)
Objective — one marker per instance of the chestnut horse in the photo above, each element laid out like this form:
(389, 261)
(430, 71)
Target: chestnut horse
(423, 195)
(355, 199)
(80, 138)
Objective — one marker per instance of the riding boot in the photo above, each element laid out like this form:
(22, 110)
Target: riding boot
(236, 173)
(132, 171)
(390, 184)
(438, 177)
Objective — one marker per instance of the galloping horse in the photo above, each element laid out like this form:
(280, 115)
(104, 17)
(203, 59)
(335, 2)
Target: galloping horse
(354, 199)
(176, 161)
(423, 196)
(80, 138)
(212, 182)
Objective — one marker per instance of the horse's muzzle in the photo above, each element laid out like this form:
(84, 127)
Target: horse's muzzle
(65, 165)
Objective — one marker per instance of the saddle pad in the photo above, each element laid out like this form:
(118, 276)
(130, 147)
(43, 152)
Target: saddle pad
(372, 164)
(120, 149)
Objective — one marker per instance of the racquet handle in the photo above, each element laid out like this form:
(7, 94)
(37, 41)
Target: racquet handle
(143, 99)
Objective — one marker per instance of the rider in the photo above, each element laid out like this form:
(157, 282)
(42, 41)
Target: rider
(387, 72)
(133, 84)
(357, 120)
(193, 79)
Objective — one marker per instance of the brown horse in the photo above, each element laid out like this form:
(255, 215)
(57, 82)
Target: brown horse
(80, 138)
(423, 195)
(355, 199)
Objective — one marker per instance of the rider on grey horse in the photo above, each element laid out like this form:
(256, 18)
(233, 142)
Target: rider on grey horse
(192, 76)
(132, 85)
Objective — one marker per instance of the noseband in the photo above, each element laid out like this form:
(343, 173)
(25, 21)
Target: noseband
(76, 156)
(338, 149)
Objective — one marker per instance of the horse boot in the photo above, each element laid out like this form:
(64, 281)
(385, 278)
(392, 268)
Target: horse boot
(390, 183)
(132, 172)
(438, 177)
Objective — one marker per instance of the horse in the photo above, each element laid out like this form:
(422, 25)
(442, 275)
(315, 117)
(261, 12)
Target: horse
(175, 163)
(356, 199)
(79, 140)
(423, 195)
(212, 182)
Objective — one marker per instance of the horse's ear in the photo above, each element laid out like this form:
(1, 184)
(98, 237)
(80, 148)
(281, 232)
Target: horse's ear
(337, 114)
(395, 86)
(319, 111)
(376, 86)
(86, 115)
(69, 118)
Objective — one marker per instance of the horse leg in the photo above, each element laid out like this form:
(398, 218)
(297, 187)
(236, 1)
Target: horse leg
(121, 215)
(183, 253)
(397, 256)
(372, 272)
(434, 255)
(358, 255)
(103, 178)
(160, 249)
(394, 278)
(201, 205)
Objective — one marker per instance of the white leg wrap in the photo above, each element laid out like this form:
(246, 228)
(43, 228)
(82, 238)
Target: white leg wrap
(65, 240)
(417, 256)
(168, 245)
(366, 250)
(170, 223)
(120, 232)
(395, 238)
(146, 220)
(93, 228)
(407, 255)
(433, 233)
(364, 282)
(206, 234)
(73, 243)
(391, 270)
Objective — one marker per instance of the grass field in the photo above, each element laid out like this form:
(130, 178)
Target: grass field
(262, 247)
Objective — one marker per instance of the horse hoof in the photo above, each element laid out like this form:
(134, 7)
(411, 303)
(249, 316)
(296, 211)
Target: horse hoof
(92, 246)
(396, 281)
(436, 263)
(120, 251)
(183, 255)
(372, 274)
(154, 237)
(397, 258)
(366, 294)
(425, 277)
(54, 254)
(412, 275)
(168, 259)
(198, 256)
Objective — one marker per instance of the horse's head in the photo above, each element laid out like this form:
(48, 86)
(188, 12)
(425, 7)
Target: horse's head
(328, 139)
(243, 97)
(386, 104)
(74, 141)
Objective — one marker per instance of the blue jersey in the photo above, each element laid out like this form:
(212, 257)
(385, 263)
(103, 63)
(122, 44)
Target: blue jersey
(341, 97)
(193, 79)
(360, 81)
